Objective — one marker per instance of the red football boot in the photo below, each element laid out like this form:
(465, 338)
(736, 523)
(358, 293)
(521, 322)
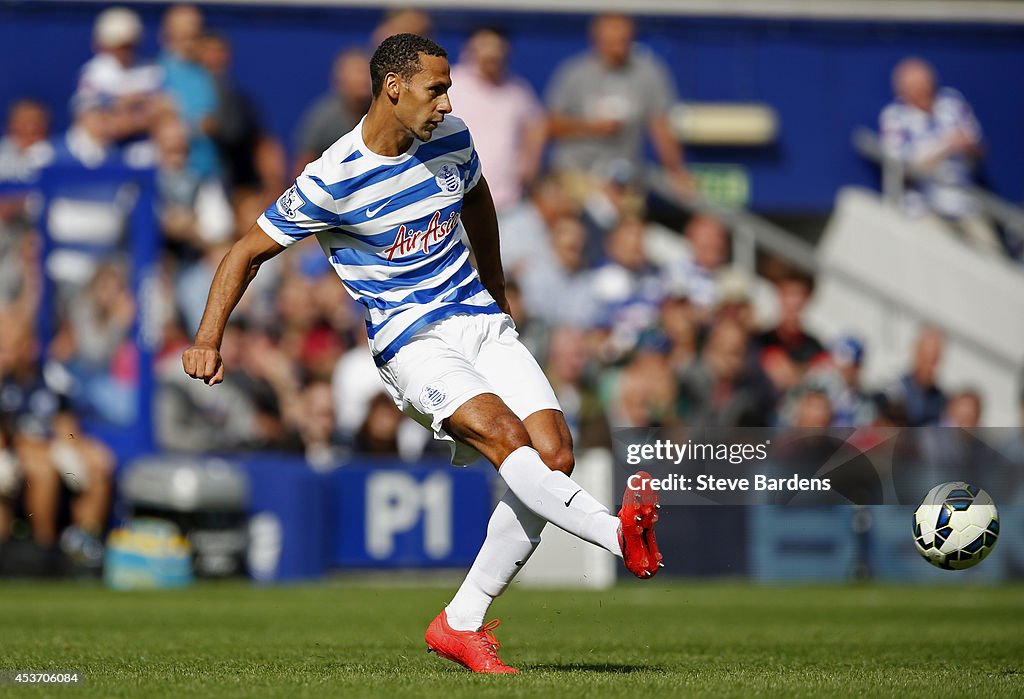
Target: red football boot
(477, 650)
(636, 527)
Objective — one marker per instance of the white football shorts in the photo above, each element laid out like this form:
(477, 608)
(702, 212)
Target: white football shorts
(457, 358)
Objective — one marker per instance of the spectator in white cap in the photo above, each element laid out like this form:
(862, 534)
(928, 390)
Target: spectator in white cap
(116, 77)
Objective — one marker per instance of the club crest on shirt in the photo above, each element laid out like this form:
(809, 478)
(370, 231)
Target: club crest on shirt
(290, 203)
(448, 179)
(434, 394)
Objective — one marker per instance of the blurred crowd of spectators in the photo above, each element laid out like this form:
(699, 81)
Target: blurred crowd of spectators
(636, 324)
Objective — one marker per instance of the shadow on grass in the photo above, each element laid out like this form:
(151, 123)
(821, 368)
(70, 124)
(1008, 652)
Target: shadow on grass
(608, 668)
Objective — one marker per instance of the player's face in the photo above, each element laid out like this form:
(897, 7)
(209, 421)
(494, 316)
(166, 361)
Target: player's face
(423, 100)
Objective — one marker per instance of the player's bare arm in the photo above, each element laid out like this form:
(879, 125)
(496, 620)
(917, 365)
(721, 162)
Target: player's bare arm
(235, 272)
(481, 224)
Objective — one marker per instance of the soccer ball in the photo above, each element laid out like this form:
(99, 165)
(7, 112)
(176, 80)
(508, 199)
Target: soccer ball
(955, 526)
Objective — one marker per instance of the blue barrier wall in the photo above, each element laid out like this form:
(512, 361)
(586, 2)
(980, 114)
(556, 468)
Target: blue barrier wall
(372, 513)
(375, 514)
(291, 507)
(833, 544)
(396, 516)
(824, 78)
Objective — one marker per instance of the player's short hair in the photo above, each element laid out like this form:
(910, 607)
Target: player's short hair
(400, 54)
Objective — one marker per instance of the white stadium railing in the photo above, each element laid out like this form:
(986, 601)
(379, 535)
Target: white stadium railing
(895, 174)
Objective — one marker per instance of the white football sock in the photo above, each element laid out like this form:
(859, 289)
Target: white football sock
(559, 499)
(513, 534)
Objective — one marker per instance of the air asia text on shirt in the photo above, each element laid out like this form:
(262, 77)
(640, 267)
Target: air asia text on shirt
(407, 241)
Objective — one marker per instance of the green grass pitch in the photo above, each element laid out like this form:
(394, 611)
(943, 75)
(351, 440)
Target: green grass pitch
(656, 639)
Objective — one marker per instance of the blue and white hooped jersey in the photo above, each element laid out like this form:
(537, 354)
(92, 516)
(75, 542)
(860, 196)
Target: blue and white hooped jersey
(391, 228)
(915, 137)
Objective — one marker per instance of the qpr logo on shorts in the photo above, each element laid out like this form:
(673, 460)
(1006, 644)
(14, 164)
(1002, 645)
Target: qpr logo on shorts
(434, 394)
(448, 179)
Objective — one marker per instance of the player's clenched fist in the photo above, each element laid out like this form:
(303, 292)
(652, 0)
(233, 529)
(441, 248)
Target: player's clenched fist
(203, 362)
